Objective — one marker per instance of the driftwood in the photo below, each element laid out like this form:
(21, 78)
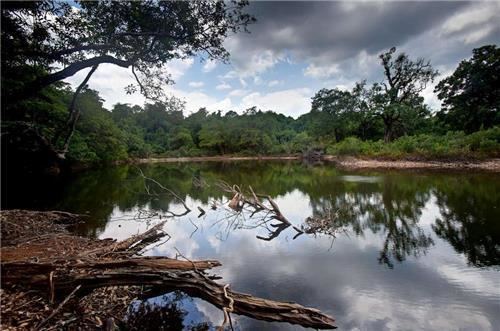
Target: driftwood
(167, 280)
(108, 264)
(258, 203)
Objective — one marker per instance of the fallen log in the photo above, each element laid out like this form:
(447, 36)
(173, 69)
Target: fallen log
(167, 279)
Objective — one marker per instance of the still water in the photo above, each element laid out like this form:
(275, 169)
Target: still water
(402, 250)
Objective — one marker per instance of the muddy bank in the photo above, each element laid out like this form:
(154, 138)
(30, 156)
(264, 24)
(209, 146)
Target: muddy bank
(358, 163)
(350, 162)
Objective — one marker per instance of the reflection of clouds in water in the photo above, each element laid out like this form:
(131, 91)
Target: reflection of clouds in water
(179, 238)
(122, 225)
(480, 281)
(438, 291)
(211, 313)
(453, 267)
(295, 205)
(429, 213)
(360, 179)
(360, 294)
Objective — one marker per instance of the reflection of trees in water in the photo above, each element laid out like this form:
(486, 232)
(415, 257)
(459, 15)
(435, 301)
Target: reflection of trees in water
(166, 314)
(471, 224)
(390, 208)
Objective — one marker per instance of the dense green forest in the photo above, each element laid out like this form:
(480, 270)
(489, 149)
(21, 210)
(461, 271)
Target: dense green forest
(385, 119)
(341, 122)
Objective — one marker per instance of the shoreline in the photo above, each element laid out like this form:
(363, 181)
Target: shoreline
(490, 165)
(347, 162)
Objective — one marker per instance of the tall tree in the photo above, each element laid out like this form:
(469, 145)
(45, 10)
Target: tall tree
(404, 80)
(471, 95)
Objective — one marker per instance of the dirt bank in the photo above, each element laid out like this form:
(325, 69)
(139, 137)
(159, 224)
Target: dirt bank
(358, 163)
(350, 162)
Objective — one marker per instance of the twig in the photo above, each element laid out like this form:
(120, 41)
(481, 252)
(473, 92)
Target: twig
(58, 308)
(166, 189)
(227, 310)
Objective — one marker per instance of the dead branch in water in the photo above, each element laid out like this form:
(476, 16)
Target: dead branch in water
(258, 203)
(177, 197)
(105, 264)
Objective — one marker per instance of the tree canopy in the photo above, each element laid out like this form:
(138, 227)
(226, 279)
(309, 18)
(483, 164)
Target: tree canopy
(60, 40)
(45, 42)
(471, 95)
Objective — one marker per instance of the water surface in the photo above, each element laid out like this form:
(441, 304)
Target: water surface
(406, 251)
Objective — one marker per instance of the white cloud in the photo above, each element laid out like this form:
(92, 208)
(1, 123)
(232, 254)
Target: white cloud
(250, 63)
(229, 75)
(317, 71)
(238, 93)
(478, 34)
(243, 82)
(178, 67)
(274, 83)
(223, 86)
(291, 102)
(475, 15)
(110, 80)
(196, 84)
(209, 66)
(196, 100)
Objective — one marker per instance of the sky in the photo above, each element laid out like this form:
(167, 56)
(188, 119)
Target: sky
(296, 48)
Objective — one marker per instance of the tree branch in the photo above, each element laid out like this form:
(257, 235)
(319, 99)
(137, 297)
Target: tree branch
(74, 114)
(72, 69)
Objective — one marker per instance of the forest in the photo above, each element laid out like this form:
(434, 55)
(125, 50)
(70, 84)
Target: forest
(363, 121)
(45, 119)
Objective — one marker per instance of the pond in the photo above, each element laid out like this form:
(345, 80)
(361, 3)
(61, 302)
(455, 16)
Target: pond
(398, 250)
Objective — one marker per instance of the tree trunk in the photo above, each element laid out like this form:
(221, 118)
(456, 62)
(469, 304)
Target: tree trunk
(73, 116)
(388, 129)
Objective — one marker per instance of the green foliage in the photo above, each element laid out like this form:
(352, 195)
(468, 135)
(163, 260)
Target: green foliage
(471, 95)
(98, 139)
(452, 145)
(144, 35)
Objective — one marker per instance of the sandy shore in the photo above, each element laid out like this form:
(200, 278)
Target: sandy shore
(350, 162)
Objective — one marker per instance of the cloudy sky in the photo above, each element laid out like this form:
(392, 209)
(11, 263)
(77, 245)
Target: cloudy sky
(296, 48)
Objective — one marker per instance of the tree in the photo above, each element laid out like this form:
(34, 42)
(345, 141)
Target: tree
(471, 95)
(47, 41)
(404, 80)
(338, 105)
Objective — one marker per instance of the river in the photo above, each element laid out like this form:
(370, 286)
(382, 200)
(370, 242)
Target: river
(399, 250)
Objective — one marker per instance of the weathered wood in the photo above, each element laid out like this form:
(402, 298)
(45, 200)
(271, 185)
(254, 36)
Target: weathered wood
(191, 282)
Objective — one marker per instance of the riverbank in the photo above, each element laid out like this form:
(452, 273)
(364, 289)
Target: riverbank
(349, 162)
(358, 163)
